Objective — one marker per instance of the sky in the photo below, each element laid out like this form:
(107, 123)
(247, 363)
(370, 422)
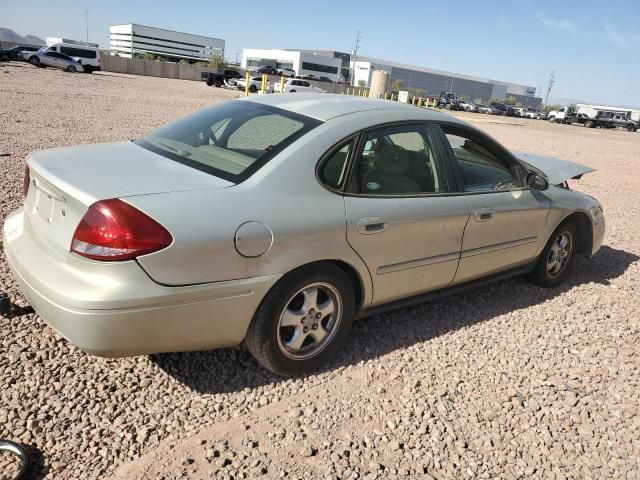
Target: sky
(592, 45)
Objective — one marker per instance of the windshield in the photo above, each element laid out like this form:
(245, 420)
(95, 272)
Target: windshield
(232, 140)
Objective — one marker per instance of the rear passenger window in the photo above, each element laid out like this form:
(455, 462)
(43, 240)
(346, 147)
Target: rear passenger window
(398, 161)
(334, 169)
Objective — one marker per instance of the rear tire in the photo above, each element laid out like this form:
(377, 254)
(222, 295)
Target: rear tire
(556, 260)
(303, 320)
(589, 124)
(253, 88)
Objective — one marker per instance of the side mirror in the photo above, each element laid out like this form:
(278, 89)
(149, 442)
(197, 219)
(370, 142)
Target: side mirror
(537, 182)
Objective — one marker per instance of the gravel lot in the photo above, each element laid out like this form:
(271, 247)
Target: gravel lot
(507, 381)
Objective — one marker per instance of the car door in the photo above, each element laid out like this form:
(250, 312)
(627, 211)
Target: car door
(49, 59)
(506, 218)
(401, 219)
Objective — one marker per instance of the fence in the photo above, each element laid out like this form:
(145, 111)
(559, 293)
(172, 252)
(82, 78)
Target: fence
(137, 66)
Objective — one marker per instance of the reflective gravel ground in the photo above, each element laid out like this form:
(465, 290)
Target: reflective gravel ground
(506, 381)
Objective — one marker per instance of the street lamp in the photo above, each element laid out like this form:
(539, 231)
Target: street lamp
(86, 19)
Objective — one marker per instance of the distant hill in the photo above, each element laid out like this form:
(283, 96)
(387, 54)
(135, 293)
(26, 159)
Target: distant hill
(8, 35)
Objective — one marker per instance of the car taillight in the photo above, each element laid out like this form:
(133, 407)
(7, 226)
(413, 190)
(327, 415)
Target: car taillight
(26, 180)
(114, 230)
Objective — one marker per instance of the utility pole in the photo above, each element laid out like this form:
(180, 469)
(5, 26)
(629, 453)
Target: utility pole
(355, 56)
(552, 80)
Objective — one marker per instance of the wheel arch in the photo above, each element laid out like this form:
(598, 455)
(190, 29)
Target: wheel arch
(582, 221)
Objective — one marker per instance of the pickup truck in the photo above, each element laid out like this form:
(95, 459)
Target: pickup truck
(218, 78)
(594, 118)
(448, 101)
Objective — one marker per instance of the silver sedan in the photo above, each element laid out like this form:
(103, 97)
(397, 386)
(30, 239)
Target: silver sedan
(53, 59)
(278, 220)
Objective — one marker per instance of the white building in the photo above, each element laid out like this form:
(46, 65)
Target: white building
(301, 61)
(424, 81)
(125, 40)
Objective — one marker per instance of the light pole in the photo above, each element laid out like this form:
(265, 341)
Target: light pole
(86, 19)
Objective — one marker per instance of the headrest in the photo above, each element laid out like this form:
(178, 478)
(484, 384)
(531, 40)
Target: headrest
(392, 160)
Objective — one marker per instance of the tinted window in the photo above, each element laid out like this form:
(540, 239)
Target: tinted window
(334, 169)
(231, 140)
(400, 160)
(78, 52)
(481, 169)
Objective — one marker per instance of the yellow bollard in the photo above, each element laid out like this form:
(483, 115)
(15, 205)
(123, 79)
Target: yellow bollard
(246, 87)
(282, 84)
(263, 87)
(386, 96)
(419, 101)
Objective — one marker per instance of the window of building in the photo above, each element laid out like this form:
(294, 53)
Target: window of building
(317, 67)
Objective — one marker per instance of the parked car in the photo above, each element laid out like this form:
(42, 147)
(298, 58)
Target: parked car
(533, 113)
(55, 60)
(294, 85)
(277, 222)
(15, 53)
(325, 79)
(219, 78)
(504, 109)
(268, 69)
(488, 109)
(468, 106)
(519, 112)
(255, 84)
(286, 72)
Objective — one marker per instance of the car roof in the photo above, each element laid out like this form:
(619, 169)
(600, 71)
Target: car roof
(325, 106)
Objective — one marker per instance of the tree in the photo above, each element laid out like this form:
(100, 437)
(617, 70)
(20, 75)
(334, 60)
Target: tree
(397, 85)
(464, 97)
(510, 100)
(217, 61)
(417, 92)
(478, 101)
(184, 61)
(362, 83)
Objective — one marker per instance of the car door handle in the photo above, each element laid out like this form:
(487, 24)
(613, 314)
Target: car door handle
(483, 214)
(369, 225)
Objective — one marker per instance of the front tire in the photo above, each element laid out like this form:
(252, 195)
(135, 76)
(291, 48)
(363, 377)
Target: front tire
(71, 69)
(253, 88)
(589, 124)
(35, 61)
(303, 320)
(555, 261)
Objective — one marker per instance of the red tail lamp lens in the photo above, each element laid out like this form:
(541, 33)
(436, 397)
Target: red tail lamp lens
(114, 230)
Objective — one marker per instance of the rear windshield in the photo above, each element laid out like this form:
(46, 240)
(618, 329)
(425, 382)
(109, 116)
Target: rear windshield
(232, 140)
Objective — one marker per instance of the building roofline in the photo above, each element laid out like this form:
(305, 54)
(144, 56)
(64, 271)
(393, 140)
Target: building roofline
(167, 30)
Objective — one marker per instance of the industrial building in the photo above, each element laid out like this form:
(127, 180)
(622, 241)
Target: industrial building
(358, 71)
(129, 39)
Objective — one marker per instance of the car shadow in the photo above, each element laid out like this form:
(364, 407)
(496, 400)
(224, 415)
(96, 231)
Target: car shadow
(233, 369)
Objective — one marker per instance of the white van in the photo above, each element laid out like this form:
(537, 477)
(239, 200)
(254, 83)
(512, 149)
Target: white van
(89, 57)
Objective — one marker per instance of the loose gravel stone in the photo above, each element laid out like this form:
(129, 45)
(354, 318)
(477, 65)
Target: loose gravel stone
(506, 381)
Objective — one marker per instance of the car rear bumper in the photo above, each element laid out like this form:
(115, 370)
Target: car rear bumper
(114, 309)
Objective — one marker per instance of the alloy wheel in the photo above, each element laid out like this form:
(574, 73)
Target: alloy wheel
(560, 254)
(309, 321)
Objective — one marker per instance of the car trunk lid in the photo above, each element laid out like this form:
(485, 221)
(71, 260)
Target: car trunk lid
(65, 182)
